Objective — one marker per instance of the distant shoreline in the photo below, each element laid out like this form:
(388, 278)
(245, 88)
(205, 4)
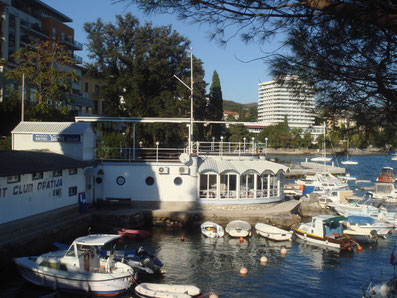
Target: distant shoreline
(286, 151)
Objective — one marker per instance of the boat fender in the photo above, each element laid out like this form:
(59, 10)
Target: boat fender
(305, 236)
(326, 241)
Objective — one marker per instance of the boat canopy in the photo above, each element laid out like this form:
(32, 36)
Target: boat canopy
(96, 240)
(335, 218)
(360, 219)
(240, 167)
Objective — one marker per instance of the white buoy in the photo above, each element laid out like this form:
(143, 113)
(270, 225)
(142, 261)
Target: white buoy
(263, 260)
(243, 271)
(283, 251)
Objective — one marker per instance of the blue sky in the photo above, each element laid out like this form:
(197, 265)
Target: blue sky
(239, 81)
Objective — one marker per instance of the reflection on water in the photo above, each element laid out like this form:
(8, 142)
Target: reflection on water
(214, 265)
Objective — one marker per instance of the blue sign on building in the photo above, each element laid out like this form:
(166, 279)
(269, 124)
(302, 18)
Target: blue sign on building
(67, 138)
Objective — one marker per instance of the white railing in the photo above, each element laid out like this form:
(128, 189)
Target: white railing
(172, 154)
(229, 148)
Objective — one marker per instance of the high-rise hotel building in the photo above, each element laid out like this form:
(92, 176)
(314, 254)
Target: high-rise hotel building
(277, 101)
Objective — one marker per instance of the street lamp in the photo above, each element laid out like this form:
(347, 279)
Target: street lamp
(266, 144)
(253, 144)
(244, 142)
(157, 151)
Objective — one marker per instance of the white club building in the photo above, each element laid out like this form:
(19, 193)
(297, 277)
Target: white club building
(73, 165)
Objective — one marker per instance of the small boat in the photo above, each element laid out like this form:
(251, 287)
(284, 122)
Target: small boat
(349, 161)
(166, 290)
(238, 228)
(325, 230)
(386, 175)
(80, 269)
(361, 235)
(141, 260)
(368, 224)
(212, 230)
(387, 288)
(272, 232)
(132, 234)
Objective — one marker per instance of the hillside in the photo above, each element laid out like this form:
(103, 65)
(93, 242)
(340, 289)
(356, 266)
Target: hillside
(248, 112)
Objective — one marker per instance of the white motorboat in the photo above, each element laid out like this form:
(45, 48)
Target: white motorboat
(349, 162)
(80, 269)
(325, 230)
(212, 230)
(166, 290)
(367, 223)
(238, 228)
(272, 232)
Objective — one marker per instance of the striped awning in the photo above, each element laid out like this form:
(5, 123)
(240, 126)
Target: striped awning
(241, 166)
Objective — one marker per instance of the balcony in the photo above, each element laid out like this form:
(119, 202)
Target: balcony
(71, 43)
(77, 59)
(35, 29)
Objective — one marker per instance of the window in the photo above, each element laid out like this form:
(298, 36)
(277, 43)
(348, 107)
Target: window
(149, 180)
(72, 191)
(37, 175)
(72, 171)
(57, 173)
(56, 193)
(86, 87)
(13, 179)
(178, 181)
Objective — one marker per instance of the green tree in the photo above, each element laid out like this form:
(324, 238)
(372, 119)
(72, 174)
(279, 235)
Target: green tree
(47, 70)
(136, 66)
(346, 50)
(236, 133)
(215, 106)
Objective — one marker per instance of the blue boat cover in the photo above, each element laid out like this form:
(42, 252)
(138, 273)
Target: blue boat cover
(360, 219)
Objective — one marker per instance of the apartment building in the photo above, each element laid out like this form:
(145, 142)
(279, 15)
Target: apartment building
(26, 21)
(277, 101)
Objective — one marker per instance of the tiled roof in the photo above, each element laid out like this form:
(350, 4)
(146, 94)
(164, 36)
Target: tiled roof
(15, 162)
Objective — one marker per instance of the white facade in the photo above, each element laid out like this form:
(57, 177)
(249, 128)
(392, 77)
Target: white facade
(276, 101)
(30, 194)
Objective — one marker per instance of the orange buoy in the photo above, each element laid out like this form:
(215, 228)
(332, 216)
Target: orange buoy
(241, 239)
(243, 271)
(213, 296)
(359, 247)
(182, 238)
(263, 260)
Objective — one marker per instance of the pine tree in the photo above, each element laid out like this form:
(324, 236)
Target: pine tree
(215, 106)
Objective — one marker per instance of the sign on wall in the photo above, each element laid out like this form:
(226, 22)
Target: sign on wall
(67, 138)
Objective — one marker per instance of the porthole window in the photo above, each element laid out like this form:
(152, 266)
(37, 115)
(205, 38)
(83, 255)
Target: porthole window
(178, 181)
(149, 180)
(120, 180)
(98, 180)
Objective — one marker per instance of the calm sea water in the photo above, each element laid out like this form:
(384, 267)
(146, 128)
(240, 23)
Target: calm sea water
(305, 271)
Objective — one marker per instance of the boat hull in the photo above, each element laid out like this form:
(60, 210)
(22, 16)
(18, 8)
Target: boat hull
(212, 230)
(97, 284)
(166, 290)
(344, 242)
(273, 233)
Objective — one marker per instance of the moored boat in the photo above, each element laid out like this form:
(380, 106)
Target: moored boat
(238, 228)
(211, 229)
(325, 230)
(132, 234)
(166, 290)
(367, 223)
(272, 232)
(79, 269)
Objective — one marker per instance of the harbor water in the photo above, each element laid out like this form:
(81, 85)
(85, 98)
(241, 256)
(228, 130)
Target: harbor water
(305, 271)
